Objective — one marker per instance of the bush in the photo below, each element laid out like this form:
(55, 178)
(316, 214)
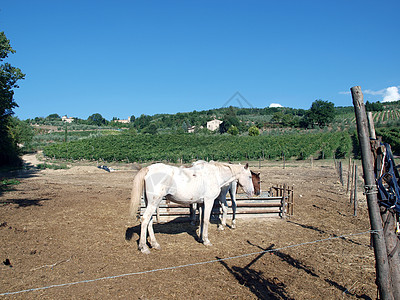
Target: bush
(254, 131)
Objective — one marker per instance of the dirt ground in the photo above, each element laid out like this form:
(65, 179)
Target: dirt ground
(64, 234)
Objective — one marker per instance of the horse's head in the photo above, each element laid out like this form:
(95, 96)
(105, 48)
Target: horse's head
(245, 180)
(256, 182)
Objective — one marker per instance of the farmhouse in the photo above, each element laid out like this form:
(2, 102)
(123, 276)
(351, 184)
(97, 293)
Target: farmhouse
(213, 125)
(67, 120)
(124, 121)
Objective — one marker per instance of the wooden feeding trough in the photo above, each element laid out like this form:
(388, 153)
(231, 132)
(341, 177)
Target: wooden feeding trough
(277, 202)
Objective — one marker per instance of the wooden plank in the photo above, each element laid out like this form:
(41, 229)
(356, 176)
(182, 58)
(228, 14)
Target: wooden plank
(186, 219)
(254, 207)
(243, 210)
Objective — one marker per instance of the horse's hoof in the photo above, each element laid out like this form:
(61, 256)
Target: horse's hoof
(233, 226)
(207, 243)
(156, 246)
(220, 227)
(145, 250)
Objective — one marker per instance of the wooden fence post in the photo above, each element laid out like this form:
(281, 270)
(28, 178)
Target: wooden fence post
(284, 202)
(371, 126)
(382, 265)
(352, 182)
(348, 177)
(340, 173)
(355, 191)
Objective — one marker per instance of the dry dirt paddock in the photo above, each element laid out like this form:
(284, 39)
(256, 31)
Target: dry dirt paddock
(63, 236)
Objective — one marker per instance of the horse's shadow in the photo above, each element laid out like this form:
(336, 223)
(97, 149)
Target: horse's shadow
(176, 226)
(259, 285)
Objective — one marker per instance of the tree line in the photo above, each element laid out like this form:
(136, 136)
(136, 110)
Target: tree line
(234, 121)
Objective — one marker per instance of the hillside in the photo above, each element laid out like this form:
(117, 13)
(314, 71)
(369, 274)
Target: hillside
(162, 137)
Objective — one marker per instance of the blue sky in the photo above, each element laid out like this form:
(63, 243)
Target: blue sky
(122, 58)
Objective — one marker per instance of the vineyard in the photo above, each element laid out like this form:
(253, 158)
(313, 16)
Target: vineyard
(389, 117)
(390, 135)
(187, 147)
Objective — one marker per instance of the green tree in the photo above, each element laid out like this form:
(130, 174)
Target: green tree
(321, 113)
(142, 121)
(229, 119)
(97, 119)
(277, 117)
(150, 129)
(233, 130)
(9, 76)
(53, 117)
(254, 131)
(21, 132)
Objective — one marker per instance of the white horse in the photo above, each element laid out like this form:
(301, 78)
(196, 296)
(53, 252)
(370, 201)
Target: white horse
(200, 183)
(231, 188)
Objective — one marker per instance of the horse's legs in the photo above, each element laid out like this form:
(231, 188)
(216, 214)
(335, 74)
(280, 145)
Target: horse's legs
(224, 206)
(193, 214)
(146, 222)
(201, 219)
(232, 192)
(153, 242)
(206, 220)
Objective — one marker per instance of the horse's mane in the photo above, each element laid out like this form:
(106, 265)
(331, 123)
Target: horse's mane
(233, 167)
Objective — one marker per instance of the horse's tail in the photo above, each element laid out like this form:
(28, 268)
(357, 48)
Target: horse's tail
(137, 191)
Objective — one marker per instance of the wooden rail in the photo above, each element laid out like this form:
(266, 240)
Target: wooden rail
(280, 205)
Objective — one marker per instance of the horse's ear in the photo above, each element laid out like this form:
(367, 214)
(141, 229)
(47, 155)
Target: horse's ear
(259, 173)
(246, 166)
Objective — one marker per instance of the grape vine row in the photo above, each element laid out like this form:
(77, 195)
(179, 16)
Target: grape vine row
(188, 147)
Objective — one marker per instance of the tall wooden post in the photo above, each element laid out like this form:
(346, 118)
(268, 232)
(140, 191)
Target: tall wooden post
(382, 265)
(371, 126)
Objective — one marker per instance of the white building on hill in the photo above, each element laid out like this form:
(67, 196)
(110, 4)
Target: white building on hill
(213, 125)
(66, 119)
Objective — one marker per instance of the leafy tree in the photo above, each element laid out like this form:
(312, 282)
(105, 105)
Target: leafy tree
(254, 131)
(151, 129)
(21, 131)
(97, 119)
(233, 130)
(53, 117)
(9, 76)
(229, 119)
(132, 119)
(185, 126)
(277, 117)
(142, 121)
(321, 113)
